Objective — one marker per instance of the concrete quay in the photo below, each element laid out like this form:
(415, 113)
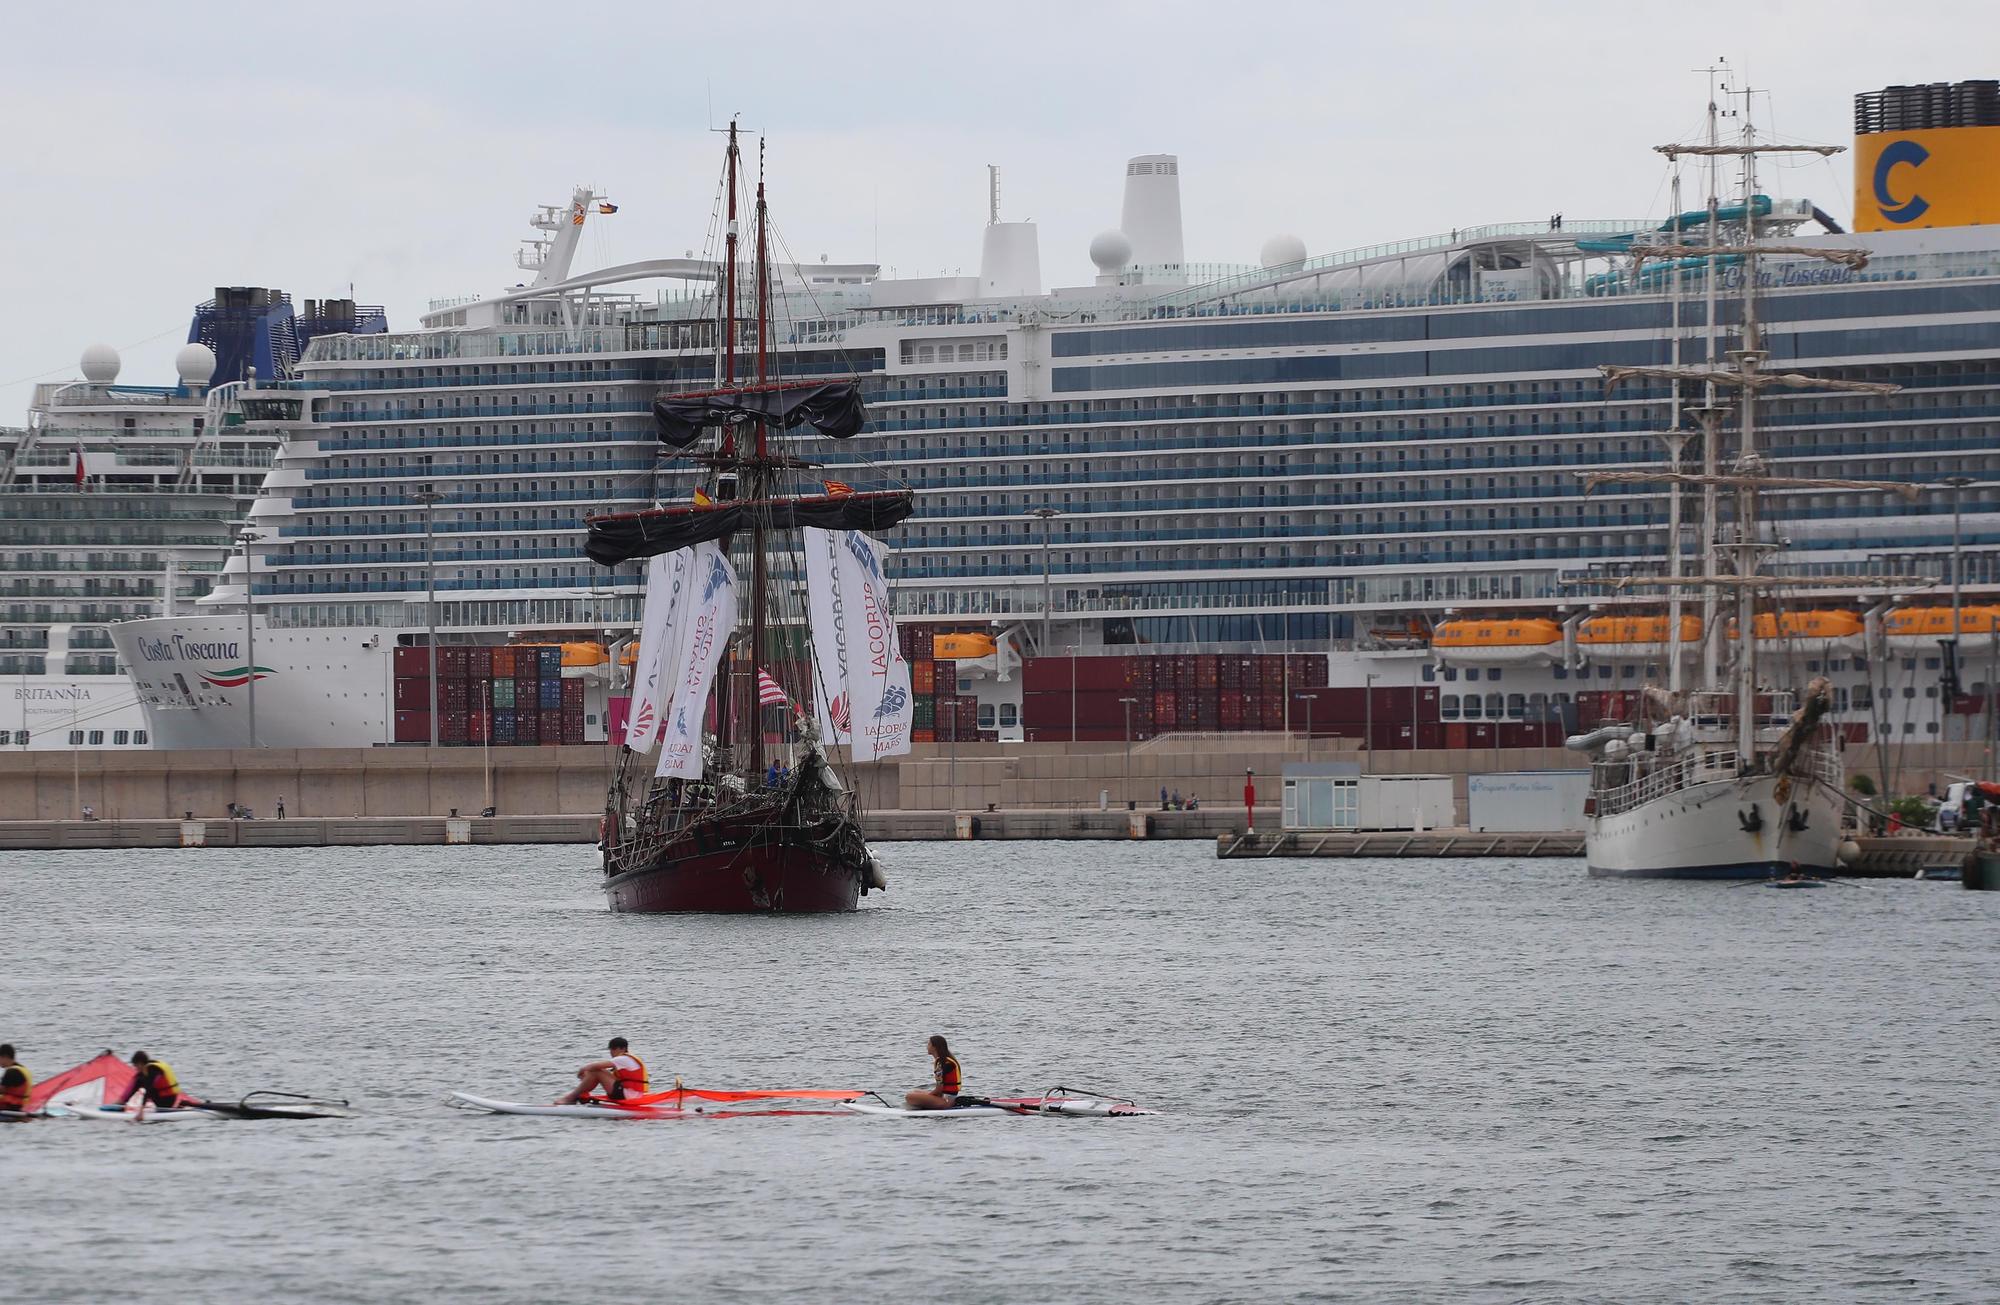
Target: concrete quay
(1398, 843)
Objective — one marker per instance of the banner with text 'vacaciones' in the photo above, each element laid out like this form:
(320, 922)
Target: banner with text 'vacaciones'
(704, 636)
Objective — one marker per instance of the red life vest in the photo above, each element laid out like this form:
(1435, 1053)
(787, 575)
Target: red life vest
(632, 1082)
(949, 1075)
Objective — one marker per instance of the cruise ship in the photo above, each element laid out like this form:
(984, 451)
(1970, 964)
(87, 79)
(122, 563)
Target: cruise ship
(120, 501)
(1371, 456)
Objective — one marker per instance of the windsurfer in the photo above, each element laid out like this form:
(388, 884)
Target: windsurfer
(156, 1085)
(621, 1075)
(15, 1080)
(946, 1079)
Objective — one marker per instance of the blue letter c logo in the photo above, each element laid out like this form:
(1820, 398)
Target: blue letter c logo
(1894, 155)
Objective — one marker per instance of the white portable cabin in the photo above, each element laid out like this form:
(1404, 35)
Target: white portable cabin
(1526, 801)
(1327, 796)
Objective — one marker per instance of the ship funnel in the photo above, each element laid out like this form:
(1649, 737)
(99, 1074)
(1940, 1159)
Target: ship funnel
(1152, 214)
(1010, 256)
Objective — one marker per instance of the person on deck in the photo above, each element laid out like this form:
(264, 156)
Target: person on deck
(946, 1079)
(157, 1085)
(620, 1076)
(15, 1080)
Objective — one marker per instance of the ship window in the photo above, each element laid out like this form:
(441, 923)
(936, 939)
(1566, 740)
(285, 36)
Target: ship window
(1494, 704)
(1604, 672)
(1517, 704)
(121, 737)
(1561, 672)
(1472, 706)
(1448, 706)
(76, 738)
(1472, 672)
(6, 737)
(1451, 672)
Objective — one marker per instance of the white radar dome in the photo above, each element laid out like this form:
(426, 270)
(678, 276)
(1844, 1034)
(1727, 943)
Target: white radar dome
(195, 363)
(1282, 251)
(100, 364)
(1110, 250)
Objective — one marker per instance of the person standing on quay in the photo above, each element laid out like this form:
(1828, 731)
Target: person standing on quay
(281, 808)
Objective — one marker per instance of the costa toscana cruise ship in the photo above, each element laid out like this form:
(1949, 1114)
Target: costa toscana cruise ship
(1369, 456)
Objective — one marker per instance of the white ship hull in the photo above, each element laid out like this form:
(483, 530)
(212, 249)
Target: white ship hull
(47, 710)
(1699, 832)
(316, 688)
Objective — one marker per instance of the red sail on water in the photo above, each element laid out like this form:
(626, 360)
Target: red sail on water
(117, 1078)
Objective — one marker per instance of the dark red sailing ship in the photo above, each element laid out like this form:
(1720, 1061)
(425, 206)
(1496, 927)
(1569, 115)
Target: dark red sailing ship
(766, 823)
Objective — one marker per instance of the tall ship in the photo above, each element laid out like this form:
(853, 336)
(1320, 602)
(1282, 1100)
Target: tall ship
(745, 811)
(120, 501)
(1353, 472)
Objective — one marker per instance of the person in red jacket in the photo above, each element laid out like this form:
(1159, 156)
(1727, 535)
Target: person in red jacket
(620, 1076)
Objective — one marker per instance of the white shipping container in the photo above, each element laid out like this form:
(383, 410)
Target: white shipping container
(1527, 801)
(1405, 802)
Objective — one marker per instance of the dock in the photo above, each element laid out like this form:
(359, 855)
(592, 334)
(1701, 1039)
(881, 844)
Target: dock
(1399, 843)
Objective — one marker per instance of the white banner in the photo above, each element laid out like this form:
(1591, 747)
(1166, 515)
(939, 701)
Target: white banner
(878, 678)
(712, 604)
(827, 618)
(667, 583)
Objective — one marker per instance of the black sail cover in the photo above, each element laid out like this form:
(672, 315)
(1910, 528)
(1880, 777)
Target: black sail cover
(629, 535)
(834, 409)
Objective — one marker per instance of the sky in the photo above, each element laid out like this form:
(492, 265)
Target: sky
(153, 152)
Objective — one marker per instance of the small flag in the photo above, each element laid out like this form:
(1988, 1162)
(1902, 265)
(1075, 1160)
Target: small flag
(79, 466)
(607, 209)
(768, 692)
(837, 487)
(701, 499)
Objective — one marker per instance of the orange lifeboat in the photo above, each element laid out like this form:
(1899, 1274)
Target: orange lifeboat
(584, 654)
(1632, 638)
(961, 647)
(1836, 626)
(1510, 642)
(1907, 626)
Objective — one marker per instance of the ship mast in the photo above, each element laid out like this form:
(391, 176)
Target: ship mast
(760, 489)
(723, 730)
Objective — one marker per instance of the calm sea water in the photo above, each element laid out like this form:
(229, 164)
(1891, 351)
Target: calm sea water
(1387, 1081)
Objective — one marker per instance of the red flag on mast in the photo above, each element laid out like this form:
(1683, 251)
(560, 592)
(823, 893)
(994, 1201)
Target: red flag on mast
(79, 466)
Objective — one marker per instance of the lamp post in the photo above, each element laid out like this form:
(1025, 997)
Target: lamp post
(1127, 704)
(430, 498)
(1368, 717)
(243, 541)
(1044, 514)
(1956, 484)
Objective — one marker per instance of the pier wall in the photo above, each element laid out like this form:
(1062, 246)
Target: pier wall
(413, 781)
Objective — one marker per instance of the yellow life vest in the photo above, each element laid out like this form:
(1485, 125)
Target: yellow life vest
(15, 1097)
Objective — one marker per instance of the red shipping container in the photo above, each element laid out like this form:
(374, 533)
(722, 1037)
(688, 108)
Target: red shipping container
(452, 660)
(454, 695)
(451, 727)
(412, 661)
(552, 727)
(478, 727)
(527, 727)
(412, 694)
(479, 661)
(413, 727)
(500, 661)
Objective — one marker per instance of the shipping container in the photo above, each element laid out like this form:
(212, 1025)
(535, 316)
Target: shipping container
(552, 727)
(527, 727)
(412, 662)
(452, 660)
(412, 693)
(479, 661)
(413, 727)
(501, 662)
(502, 692)
(451, 728)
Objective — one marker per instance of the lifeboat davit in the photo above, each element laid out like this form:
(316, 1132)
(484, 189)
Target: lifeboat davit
(1635, 638)
(1515, 642)
(1825, 627)
(1909, 626)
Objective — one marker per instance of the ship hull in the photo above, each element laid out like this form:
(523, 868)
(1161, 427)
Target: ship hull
(744, 866)
(1699, 832)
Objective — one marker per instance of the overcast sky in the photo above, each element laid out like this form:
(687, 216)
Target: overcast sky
(154, 151)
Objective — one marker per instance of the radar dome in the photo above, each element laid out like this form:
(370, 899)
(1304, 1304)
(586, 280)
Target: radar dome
(1282, 251)
(100, 364)
(195, 363)
(1110, 250)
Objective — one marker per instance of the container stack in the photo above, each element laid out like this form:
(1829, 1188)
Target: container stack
(1080, 698)
(504, 696)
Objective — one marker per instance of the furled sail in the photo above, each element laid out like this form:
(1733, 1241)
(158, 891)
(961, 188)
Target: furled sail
(670, 582)
(851, 612)
(703, 638)
(628, 535)
(833, 408)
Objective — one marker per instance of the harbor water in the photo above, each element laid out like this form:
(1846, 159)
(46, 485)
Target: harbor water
(1387, 1081)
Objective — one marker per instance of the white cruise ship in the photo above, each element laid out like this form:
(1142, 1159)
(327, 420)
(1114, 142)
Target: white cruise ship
(1351, 454)
(120, 501)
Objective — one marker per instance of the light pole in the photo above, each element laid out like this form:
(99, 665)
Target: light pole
(1127, 704)
(1368, 716)
(243, 541)
(430, 498)
(1043, 514)
(1950, 644)
(1072, 693)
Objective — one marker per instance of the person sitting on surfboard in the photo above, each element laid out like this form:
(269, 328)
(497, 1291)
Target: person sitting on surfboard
(946, 1079)
(622, 1075)
(15, 1080)
(156, 1083)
